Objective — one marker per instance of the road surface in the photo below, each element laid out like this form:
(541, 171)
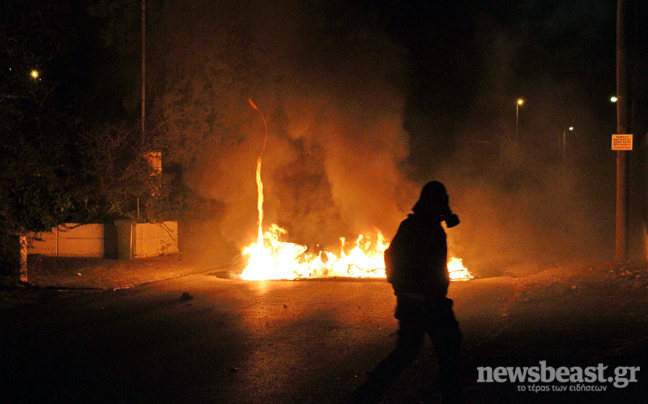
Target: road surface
(308, 342)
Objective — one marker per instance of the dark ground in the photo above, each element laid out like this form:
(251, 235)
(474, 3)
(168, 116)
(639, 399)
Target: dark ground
(301, 341)
(55, 278)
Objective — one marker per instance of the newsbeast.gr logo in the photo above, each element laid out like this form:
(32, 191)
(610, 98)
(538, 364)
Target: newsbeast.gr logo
(581, 379)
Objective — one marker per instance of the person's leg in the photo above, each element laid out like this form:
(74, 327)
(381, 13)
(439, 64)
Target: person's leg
(446, 336)
(410, 339)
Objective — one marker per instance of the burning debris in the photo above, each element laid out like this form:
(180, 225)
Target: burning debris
(457, 271)
(276, 259)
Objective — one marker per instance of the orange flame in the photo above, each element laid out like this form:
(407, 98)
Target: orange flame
(277, 259)
(259, 202)
(457, 271)
(258, 176)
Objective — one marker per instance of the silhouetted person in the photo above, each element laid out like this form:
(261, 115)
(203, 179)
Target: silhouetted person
(416, 263)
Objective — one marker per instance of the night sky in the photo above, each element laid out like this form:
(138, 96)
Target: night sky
(466, 61)
(368, 97)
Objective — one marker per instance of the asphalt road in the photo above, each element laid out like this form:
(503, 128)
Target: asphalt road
(305, 342)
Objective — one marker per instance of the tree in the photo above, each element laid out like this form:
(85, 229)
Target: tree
(37, 185)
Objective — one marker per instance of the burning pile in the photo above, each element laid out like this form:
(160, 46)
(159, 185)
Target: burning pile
(271, 258)
(276, 259)
(283, 260)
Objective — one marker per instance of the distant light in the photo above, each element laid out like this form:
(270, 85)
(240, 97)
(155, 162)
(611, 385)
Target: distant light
(614, 99)
(520, 101)
(571, 128)
(34, 74)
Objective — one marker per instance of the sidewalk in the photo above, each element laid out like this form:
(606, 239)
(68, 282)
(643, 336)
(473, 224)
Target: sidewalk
(109, 274)
(51, 278)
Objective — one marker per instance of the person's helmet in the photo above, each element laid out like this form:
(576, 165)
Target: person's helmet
(434, 200)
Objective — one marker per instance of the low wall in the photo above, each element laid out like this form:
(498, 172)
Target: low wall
(124, 240)
(141, 240)
(69, 240)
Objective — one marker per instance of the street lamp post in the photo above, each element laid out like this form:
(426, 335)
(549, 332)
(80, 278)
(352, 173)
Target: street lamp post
(563, 143)
(519, 102)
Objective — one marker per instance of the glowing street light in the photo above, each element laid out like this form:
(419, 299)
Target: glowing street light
(614, 99)
(519, 102)
(34, 74)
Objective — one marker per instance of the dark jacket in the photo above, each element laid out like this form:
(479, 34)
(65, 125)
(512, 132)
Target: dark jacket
(416, 260)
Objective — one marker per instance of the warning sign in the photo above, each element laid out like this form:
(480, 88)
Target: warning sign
(621, 142)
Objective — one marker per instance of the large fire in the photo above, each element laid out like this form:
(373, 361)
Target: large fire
(271, 258)
(276, 259)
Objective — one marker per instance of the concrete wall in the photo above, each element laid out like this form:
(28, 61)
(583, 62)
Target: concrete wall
(126, 240)
(69, 240)
(141, 240)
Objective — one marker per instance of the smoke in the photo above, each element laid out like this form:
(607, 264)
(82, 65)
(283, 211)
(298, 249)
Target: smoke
(526, 201)
(337, 92)
(333, 102)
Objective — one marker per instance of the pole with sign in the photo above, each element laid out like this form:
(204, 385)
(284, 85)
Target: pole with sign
(621, 250)
(622, 142)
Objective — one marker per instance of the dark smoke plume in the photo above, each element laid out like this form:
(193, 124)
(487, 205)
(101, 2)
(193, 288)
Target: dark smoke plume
(329, 83)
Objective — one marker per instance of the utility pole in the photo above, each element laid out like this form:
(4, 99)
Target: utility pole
(621, 252)
(143, 117)
(143, 69)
